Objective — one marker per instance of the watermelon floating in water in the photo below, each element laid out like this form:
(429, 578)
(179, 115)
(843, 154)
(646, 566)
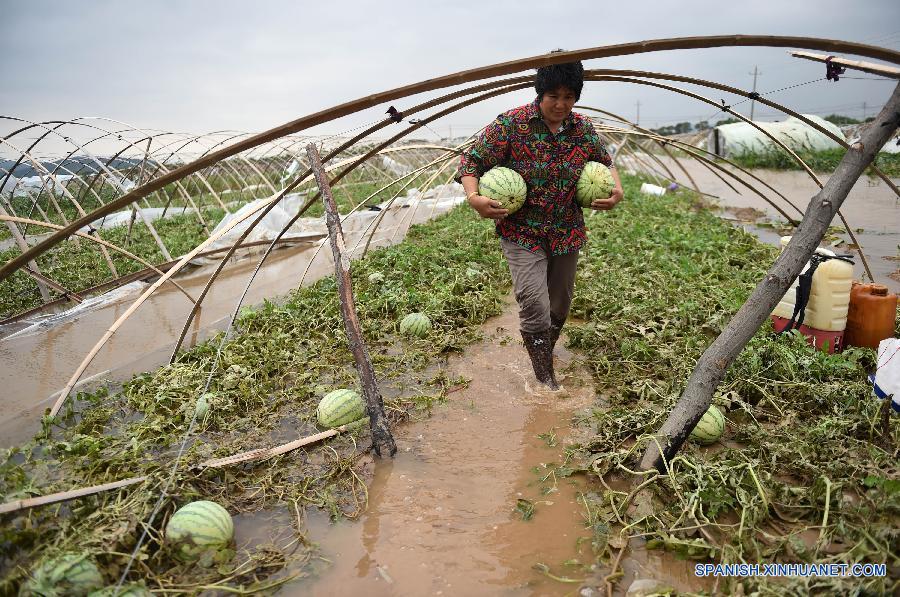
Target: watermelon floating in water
(339, 408)
(415, 324)
(710, 427)
(198, 527)
(68, 574)
(504, 185)
(595, 182)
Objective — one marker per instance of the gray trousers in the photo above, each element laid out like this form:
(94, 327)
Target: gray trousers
(543, 284)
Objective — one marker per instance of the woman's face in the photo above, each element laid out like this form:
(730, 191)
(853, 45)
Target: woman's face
(557, 104)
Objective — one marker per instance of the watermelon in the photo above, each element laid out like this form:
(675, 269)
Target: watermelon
(201, 409)
(595, 182)
(67, 574)
(415, 324)
(198, 527)
(710, 427)
(376, 278)
(504, 185)
(129, 590)
(339, 408)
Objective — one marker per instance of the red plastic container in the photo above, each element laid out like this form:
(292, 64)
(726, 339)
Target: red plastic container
(824, 340)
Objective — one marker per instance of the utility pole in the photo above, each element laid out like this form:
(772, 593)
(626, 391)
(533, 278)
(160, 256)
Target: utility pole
(864, 112)
(638, 121)
(755, 73)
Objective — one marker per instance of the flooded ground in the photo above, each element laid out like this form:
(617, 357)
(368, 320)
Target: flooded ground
(442, 516)
(872, 209)
(37, 362)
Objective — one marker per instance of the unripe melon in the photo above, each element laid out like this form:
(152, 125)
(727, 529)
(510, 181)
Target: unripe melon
(505, 186)
(595, 182)
(339, 408)
(201, 409)
(415, 324)
(68, 574)
(198, 527)
(710, 427)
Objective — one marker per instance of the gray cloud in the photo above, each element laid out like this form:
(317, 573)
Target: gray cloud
(211, 65)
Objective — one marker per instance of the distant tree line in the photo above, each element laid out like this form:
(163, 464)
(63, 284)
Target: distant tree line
(703, 125)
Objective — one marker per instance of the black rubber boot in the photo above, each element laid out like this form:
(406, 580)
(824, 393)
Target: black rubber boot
(556, 326)
(541, 353)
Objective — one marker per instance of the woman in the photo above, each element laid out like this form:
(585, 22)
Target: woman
(548, 144)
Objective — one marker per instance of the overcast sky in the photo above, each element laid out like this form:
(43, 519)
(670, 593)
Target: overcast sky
(206, 65)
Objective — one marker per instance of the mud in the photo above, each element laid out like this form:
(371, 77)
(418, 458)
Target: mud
(872, 210)
(442, 517)
(37, 362)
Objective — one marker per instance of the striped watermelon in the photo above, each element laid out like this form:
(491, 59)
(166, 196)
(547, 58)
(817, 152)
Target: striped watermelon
(68, 574)
(710, 427)
(129, 590)
(595, 182)
(504, 185)
(198, 527)
(415, 324)
(339, 408)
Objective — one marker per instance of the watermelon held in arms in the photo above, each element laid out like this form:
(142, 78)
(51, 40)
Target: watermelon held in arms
(504, 185)
(67, 574)
(595, 182)
(198, 527)
(710, 427)
(339, 408)
(415, 324)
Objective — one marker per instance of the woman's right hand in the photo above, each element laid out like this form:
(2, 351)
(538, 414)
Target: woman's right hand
(488, 208)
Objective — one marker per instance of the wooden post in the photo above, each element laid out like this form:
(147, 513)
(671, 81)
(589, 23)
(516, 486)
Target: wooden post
(714, 363)
(381, 433)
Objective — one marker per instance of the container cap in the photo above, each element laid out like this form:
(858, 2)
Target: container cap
(879, 290)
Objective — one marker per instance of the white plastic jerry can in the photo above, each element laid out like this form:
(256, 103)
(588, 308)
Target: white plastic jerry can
(829, 297)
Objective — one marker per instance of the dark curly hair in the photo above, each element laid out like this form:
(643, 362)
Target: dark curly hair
(569, 74)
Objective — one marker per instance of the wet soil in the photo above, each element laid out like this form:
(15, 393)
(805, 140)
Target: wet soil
(872, 210)
(442, 515)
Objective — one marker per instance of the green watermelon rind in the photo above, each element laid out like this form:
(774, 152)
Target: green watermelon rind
(340, 407)
(415, 324)
(69, 574)
(710, 427)
(199, 526)
(584, 185)
(504, 185)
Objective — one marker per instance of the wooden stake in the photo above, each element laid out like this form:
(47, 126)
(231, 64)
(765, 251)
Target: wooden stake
(381, 432)
(713, 365)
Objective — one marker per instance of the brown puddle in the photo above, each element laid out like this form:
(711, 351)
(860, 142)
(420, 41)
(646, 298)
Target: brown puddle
(441, 516)
(36, 364)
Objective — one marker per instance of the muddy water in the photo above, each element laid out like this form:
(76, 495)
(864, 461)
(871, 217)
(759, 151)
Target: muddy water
(441, 517)
(871, 206)
(36, 363)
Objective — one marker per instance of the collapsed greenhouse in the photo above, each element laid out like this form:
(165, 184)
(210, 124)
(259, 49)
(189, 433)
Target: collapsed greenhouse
(176, 310)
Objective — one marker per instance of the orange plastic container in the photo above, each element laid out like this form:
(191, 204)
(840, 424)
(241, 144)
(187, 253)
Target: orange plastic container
(871, 316)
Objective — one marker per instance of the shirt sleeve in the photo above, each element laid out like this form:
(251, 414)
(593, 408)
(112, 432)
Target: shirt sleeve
(598, 149)
(491, 148)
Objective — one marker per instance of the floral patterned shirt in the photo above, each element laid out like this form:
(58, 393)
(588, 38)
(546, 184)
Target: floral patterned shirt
(550, 164)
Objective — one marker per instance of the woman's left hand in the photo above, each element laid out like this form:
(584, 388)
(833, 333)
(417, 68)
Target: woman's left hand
(606, 204)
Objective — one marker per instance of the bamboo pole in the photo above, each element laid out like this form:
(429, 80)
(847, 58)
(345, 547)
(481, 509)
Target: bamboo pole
(381, 432)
